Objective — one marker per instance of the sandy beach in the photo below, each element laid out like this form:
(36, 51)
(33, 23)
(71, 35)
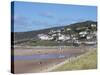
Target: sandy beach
(38, 65)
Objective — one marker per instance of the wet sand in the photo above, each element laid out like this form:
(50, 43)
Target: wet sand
(30, 51)
(33, 66)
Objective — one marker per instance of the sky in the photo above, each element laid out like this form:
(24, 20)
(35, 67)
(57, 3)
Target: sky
(30, 16)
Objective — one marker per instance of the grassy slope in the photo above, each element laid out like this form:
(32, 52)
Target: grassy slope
(33, 34)
(88, 61)
(43, 43)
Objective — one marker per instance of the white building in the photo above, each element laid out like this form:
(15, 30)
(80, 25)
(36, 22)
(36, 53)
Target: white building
(63, 37)
(83, 34)
(89, 37)
(68, 29)
(67, 37)
(55, 31)
(93, 25)
(75, 38)
(45, 37)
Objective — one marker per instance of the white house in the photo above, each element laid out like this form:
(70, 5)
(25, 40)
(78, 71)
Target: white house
(83, 33)
(45, 37)
(93, 25)
(68, 29)
(75, 38)
(89, 37)
(63, 37)
(55, 31)
(54, 35)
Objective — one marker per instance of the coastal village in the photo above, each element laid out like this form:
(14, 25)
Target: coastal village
(77, 34)
(80, 35)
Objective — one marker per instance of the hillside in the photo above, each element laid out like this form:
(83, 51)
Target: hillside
(30, 36)
(18, 36)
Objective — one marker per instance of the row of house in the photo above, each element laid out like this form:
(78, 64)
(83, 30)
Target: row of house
(69, 37)
(51, 37)
(45, 37)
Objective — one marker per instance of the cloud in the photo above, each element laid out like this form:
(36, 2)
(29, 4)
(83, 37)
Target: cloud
(21, 20)
(47, 14)
(72, 19)
(39, 22)
(21, 23)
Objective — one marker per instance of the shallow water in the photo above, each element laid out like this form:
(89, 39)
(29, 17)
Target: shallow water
(45, 56)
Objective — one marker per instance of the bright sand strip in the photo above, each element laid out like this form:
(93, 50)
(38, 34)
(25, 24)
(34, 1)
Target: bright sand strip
(31, 51)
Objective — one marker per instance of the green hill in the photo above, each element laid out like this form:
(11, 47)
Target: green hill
(26, 36)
